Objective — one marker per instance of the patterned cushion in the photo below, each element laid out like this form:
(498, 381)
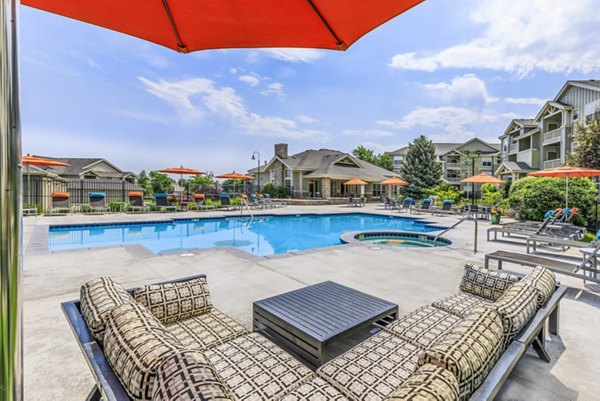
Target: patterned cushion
(461, 304)
(469, 350)
(429, 383)
(98, 297)
(188, 376)
(516, 307)
(424, 326)
(202, 332)
(315, 390)
(135, 344)
(254, 368)
(544, 282)
(175, 301)
(372, 369)
(486, 283)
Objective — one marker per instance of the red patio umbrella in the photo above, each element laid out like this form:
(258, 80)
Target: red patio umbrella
(38, 161)
(186, 25)
(566, 172)
(181, 171)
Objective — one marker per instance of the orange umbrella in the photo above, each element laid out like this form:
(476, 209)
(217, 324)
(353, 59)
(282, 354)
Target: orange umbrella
(483, 178)
(356, 181)
(566, 172)
(395, 181)
(187, 26)
(181, 171)
(38, 161)
(234, 176)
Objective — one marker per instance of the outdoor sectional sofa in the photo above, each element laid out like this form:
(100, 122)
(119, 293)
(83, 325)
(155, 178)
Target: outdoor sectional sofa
(167, 342)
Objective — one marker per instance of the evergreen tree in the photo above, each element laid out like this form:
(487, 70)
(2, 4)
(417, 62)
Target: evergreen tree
(587, 152)
(420, 168)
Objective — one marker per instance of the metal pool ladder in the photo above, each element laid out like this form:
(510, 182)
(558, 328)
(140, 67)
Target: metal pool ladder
(456, 224)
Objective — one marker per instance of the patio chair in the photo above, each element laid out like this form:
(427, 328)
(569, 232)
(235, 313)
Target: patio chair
(406, 205)
(98, 202)
(200, 203)
(425, 207)
(445, 209)
(60, 203)
(471, 211)
(136, 202)
(226, 202)
(275, 203)
(161, 203)
(257, 202)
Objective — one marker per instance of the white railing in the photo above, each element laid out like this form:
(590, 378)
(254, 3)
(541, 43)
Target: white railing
(512, 148)
(552, 163)
(553, 135)
(452, 165)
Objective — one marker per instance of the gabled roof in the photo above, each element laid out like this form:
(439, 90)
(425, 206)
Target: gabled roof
(551, 103)
(591, 84)
(442, 148)
(520, 122)
(517, 167)
(82, 165)
(364, 170)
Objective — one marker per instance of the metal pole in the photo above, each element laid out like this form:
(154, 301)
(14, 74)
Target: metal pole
(11, 181)
(473, 184)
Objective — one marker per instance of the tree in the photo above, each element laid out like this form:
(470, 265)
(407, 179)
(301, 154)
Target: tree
(382, 160)
(160, 183)
(144, 182)
(198, 182)
(587, 152)
(420, 168)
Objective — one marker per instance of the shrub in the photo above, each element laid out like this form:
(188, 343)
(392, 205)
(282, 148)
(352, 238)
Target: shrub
(444, 191)
(274, 191)
(491, 194)
(535, 196)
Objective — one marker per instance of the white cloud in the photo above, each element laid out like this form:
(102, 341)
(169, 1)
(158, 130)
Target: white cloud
(465, 89)
(520, 37)
(306, 119)
(273, 89)
(453, 124)
(294, 55)
(367, 133)
(536, 101)
(199, 98)
(251, 80)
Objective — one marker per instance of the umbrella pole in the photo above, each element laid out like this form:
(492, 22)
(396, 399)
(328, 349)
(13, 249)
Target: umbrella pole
(567, 192)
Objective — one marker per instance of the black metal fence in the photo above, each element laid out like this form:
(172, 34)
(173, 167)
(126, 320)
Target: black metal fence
(115, 190)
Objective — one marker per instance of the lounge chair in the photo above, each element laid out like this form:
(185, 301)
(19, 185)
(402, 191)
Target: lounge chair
(226, 202)
(548, 229)
(98, 202)
(136, 202)
(161, 203)
(60, 203)
(275, 203)
(200, 203)
(445, 209)
(579, 270)
(425, 207)
(257, 202)
(406, 205)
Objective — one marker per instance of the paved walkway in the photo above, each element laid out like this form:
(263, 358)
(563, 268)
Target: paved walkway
(55, 370)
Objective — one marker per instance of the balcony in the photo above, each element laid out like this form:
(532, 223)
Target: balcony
(512, 148)
(556, 135)
(552, 163)
(529, 156)
(452, 165)
(453, 180)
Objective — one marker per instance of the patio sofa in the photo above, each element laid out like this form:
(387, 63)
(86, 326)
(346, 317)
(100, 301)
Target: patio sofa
(167, 342)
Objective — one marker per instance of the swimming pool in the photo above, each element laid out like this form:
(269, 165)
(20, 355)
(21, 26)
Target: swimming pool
(261, 235)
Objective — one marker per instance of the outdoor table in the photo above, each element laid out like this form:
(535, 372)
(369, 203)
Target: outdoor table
(321, 321)
(358, 202)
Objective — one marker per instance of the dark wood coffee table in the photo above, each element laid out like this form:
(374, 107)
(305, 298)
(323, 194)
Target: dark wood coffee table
(320, 321)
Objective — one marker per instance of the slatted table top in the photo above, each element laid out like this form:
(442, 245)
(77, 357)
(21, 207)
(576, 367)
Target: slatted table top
(326, 309)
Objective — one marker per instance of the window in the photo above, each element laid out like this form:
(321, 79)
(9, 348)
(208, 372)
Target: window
(398, 160)
(288, 173)
(575, 115)
(552, 126)
(272, 176)
(377, 190)
(487, 162)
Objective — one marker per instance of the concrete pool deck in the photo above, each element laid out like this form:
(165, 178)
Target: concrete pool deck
(411, 277)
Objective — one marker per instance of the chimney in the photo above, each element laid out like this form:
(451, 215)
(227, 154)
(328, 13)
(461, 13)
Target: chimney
(281, 150)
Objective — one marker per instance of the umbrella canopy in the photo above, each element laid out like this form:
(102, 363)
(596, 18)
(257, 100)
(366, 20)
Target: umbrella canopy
(187, 26)
(38, 161)
(566, 172)
(356, 181)
(482, 178)
(234, 176)
(181, 171)
(393, 181)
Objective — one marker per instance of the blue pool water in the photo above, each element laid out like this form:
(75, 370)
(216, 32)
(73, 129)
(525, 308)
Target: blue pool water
(262, 235)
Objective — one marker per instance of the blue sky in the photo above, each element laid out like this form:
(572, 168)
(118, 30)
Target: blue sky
(448, 70)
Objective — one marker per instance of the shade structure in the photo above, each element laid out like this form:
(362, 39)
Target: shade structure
(393, 181)
(234, 176)
(356, 181)
(482, 178)
(566, 172)
(38, 161)
(186, 25)
(181, 171)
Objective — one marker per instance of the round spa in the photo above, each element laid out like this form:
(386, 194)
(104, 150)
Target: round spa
(393, 238)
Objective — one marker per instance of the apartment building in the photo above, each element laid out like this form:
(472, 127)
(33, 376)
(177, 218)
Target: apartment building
(459, 160)
(546, 140)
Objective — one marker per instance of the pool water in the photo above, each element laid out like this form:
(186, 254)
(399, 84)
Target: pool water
(261, 235)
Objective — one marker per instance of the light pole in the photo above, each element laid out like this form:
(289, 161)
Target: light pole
(255, 156)
(473, 156)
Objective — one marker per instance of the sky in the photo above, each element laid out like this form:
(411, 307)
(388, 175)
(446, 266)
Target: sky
(449, 70)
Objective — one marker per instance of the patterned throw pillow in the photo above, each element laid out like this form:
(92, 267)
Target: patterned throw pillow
(188, 376)
(469, 350)
(429, 383)
(315, 390)
(135, 344)
(544, 282)
(516, 307)
(175, 301)
(97, 298)
(486, 283)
